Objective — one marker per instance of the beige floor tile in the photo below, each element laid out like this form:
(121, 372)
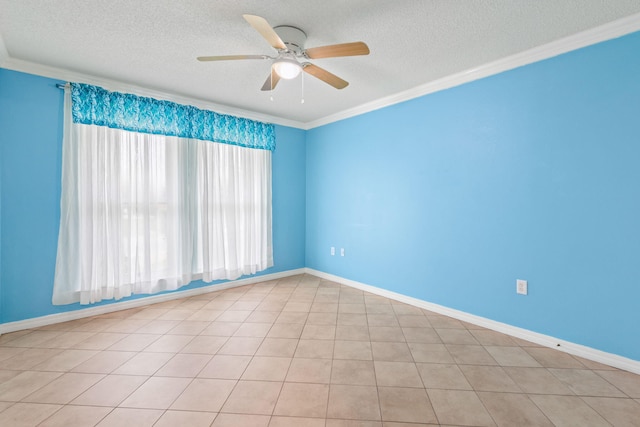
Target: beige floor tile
(626, 381)
(29, 357)
(510, 409)
(5, 405)
(26, 414)
(237, 420)
(456, 336)
(619, 412)
(386, 333)
(253, 397)
(127, 326)
(470, 355)
(184, 365)
(188, 327)
(9, 352)
(324, 307)
(241, 346)
(302, 400)
(104, 362)
(144, 364)
(76, 416)
(537, 381)
(586, 383)
(110, 391)
(353, 402)
(33, 339)
(221, 329)
(185, 419)
(568, 411)
(443, 376)
(350, 319)
(380, 309)
(318, 332)
(169, 344)
(64, 389)
(225, 367)
(488, 337)
(176, 314)
(551, 358)
(405, 309)
(441, 322)
(134, 342)
(67, 339)
(286, 330)
(303, 307)
(158, 327)
(244, 305)
(25, 383)
(218, 304)
(322, 319)
(409, 405)
(413, 321)
(204, 344)
(384, 319)
(256, 330)
(206, 395)
(352, 308)
(512, 356)
(421, 335)
(391, 351)
(489, 378)
(352, 350)
(359, 423)
(353, 372)
(267, 369)
(292, 317)
(99, 341)
(263, 317)
(352, 333)
(397, 374)
(430, 353)
(66, 360)
(459, 407)
(296, 422)
(314, 349)
(282, 347)
(317, 371)
(131, 417)
(156, 393)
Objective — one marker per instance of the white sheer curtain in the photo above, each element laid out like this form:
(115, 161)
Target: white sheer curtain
(144, 213)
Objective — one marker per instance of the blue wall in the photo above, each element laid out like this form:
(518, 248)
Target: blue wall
(30, 168)
(530, 174)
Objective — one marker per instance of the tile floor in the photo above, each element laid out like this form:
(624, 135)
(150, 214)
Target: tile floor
(300, 352)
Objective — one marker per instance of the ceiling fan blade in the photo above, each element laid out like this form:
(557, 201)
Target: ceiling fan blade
(230, 57)
(325, 76)
(262, 26)
(271, 81)
(335, 50)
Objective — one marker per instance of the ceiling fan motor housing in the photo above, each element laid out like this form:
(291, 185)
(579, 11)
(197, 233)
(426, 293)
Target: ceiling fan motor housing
(293, 37)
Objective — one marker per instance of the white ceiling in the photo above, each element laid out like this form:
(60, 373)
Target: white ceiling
(153, 44)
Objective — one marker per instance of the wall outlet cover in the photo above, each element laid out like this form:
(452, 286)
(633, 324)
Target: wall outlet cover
(522, 287)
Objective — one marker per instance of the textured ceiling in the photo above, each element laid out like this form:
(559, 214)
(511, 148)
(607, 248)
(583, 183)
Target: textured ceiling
(153, 43)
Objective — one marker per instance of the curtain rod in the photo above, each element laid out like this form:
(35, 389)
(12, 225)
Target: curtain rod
(62, 86)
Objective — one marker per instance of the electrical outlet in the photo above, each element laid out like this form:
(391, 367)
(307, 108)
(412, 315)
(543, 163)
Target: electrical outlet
(341, 251)
(333, 250)
(521, 287)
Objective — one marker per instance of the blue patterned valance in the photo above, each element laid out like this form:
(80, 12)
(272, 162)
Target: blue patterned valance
(93, 105)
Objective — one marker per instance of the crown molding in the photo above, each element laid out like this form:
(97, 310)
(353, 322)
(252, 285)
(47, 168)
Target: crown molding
(576, 41)
(4, 54)
(113, 85)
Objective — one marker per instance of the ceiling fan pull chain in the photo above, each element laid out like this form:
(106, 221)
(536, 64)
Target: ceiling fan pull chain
(302, 96)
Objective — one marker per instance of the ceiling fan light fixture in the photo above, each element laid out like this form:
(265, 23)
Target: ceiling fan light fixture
(287, 68)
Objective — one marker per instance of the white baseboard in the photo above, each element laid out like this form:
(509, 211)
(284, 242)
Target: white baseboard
(37, 322)
(589, 353)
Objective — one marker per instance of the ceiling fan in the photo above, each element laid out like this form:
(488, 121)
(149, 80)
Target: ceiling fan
(292, 56)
